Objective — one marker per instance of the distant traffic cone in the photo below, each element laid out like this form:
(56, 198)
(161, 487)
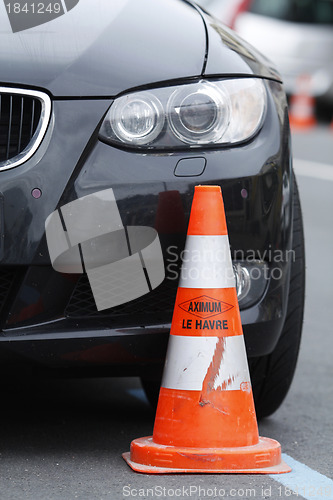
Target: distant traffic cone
(302, 107)
(205, 419)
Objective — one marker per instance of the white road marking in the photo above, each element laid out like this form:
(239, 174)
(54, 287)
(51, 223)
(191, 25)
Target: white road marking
(314, 169)
(304, 482)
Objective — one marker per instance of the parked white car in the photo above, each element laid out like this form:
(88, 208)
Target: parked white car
(296, 35)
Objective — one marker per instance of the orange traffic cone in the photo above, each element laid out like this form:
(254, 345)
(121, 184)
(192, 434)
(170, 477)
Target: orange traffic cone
(302, 106)
(205, 419)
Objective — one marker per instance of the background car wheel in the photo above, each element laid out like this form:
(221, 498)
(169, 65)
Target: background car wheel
(272, 375)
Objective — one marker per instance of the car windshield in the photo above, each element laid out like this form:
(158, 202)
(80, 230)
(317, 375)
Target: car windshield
(299, 11)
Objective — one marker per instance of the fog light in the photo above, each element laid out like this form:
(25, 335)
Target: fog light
(251, 281)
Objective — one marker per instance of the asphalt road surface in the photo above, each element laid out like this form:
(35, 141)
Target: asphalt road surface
(64, 439)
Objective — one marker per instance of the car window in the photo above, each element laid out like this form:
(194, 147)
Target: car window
(299, 11)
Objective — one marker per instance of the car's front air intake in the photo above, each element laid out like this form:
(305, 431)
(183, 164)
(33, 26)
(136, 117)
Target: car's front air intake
(24, 116)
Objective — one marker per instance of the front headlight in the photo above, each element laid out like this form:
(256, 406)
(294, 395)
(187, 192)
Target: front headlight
(206, 113)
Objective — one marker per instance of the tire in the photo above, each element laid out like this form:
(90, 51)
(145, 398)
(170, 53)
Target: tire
(272, 375)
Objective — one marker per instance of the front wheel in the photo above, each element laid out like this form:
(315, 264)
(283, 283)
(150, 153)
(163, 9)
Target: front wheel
(272, 375)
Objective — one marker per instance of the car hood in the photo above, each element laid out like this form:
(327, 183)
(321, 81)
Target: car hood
(104, 48)
(231, 54)
(100, 49)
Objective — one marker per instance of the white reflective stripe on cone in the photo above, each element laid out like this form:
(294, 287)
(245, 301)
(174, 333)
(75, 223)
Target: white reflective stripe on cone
(188, 359)
(206, 263)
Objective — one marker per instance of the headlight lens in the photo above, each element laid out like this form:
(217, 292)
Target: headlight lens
(198, 116)
(137, 118)
(206, 113)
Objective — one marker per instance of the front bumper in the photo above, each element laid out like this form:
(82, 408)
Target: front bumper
(49, 318)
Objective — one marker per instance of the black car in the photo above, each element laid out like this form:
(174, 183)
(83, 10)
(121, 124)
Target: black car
(135, 103)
